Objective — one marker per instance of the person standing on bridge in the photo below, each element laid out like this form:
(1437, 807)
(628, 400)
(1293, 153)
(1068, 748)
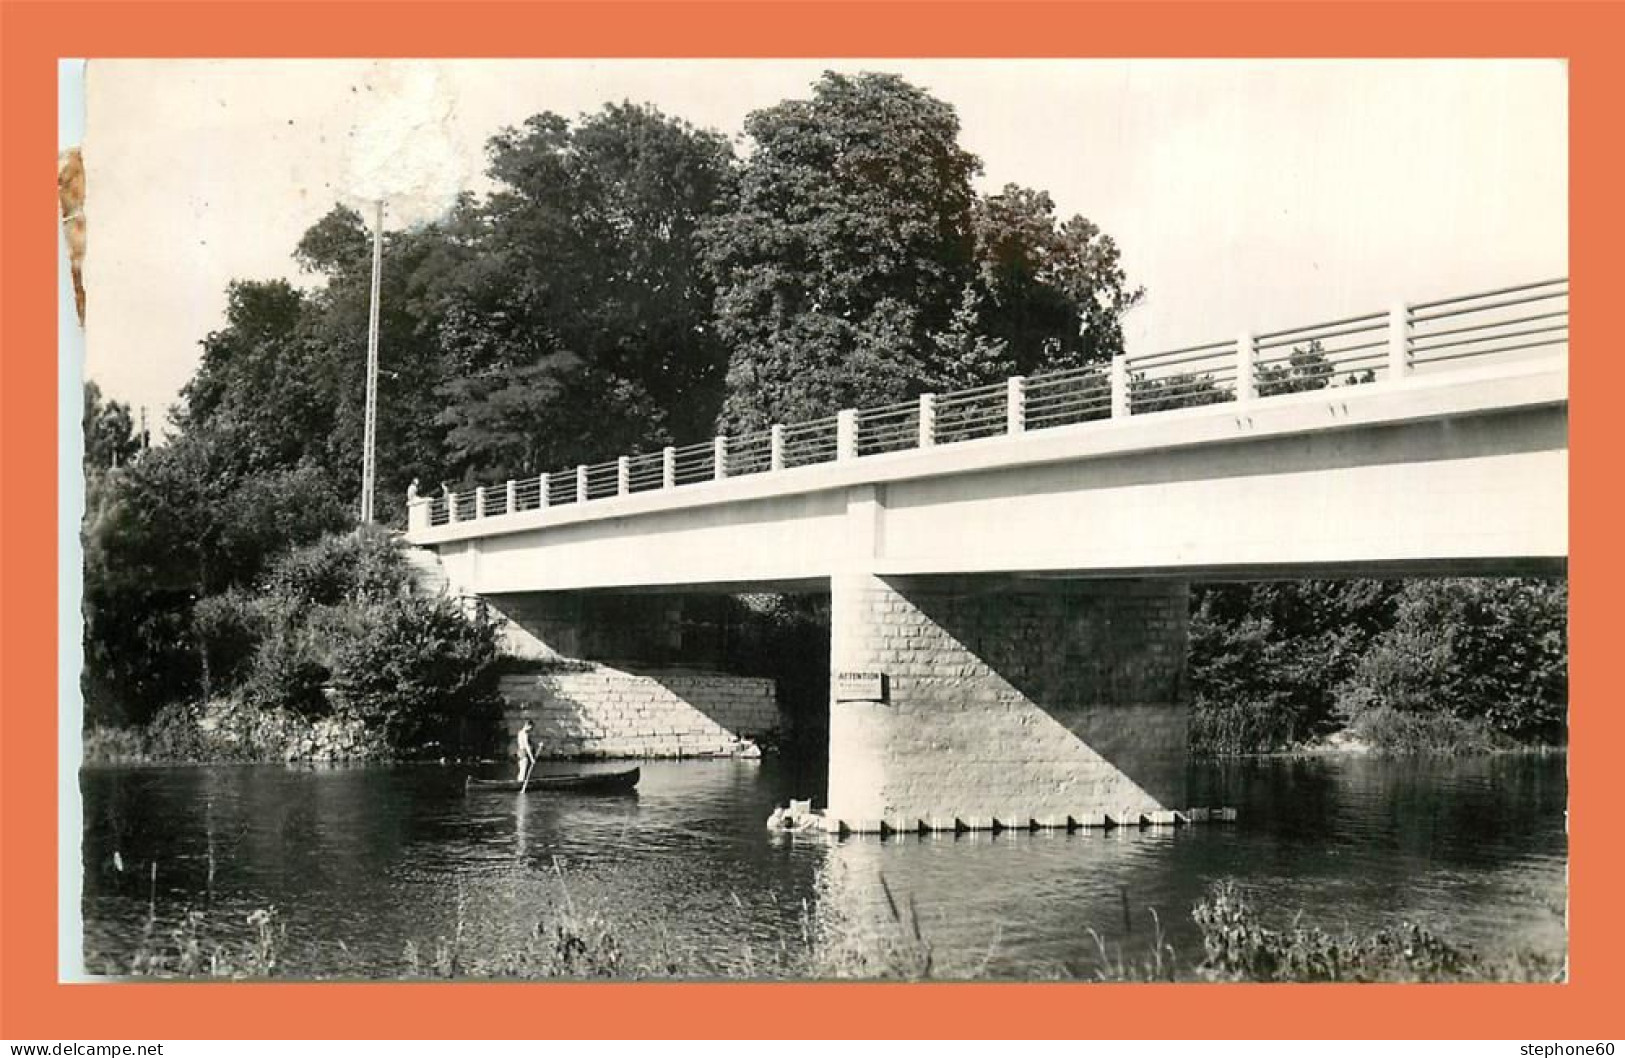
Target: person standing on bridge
(524, 751)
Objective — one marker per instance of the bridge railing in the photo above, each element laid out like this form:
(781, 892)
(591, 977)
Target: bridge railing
(1377, 348)
(1508, 320)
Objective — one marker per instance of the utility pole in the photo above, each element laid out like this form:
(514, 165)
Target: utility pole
(370, 429)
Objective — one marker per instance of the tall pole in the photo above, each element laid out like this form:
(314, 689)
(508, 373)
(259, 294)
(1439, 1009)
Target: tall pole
(370, 429)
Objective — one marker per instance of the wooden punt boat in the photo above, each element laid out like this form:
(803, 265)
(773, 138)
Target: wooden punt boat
(600, 782)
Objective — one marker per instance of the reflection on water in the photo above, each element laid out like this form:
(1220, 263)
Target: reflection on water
(376, 856)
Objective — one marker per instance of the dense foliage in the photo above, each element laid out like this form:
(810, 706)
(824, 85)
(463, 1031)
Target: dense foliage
(1266, 658)
(334, 629)
(860, 267)
(1486, 653)
(1425, 664)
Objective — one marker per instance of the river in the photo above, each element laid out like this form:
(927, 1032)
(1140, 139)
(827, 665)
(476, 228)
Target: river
(360, 860)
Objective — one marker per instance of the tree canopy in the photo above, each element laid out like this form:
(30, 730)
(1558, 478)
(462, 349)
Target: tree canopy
(860, 267)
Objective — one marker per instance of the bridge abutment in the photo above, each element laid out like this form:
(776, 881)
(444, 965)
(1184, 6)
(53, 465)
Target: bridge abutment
(626, 676)
(1001, 699)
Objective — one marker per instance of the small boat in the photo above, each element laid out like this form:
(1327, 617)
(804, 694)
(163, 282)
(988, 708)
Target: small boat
(598, 782)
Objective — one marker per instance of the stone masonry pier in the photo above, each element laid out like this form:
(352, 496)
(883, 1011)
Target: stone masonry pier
(1017, 702)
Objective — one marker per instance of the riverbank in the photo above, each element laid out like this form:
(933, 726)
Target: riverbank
(567, 942)
(1383, 733)
(230, 732)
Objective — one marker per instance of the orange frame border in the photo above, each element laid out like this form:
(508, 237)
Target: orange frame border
(33, 35)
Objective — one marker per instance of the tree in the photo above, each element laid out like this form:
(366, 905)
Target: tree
(258, 383)
(582, 325)
(861, 268)
(849, 247)
(190, 519)
(138, 655)
(1306, 368)
(1055, 292)
(110, 435)
(417, 268)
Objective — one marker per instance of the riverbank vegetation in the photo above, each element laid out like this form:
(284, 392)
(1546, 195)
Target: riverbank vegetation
(1425, 665)
(330, 655)
(569, 942)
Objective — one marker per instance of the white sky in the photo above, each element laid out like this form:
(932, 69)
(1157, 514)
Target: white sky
(1245, 195)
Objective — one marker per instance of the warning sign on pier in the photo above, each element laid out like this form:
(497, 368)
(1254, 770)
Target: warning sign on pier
(860, 686)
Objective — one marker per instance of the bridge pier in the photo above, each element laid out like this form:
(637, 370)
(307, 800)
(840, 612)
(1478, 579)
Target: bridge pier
(1019, 701)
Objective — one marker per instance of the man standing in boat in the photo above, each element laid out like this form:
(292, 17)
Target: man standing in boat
(523, 750)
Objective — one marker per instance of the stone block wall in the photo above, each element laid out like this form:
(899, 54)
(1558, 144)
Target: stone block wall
(1009, 701)
(610, 712)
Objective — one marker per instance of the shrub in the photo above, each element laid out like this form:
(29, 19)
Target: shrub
(174, 735)
(1390, 730)
(290, 663)
(336, 615)
(344, 567)
(1494, 652)
(421, 673)
(228, 627)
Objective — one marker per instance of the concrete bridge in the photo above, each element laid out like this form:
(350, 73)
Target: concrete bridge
(1008, 565)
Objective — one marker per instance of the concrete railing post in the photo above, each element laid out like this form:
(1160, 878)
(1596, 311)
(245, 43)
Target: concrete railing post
(479, 502)
(1399, 341)
(417, 514)
(846, 434)
(928, 419)
(668, 467)
(775, 447)
(1015, 404)
(1246, 354)
(581, 483)
(719, 458)
(451, 506)
(544, 488)
(513, 496)
(1119, 387)
(623, 475)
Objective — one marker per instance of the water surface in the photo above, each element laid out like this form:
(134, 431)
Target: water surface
(360, 860)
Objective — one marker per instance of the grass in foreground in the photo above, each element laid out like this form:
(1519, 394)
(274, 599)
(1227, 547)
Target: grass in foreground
(569, 944)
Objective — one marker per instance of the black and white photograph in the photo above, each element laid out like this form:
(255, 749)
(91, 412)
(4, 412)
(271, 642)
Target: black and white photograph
(791, 520)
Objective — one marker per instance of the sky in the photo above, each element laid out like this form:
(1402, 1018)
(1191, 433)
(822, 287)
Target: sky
(1245, 195)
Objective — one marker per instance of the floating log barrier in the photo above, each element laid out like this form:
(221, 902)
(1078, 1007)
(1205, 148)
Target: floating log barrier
(1023, 823)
